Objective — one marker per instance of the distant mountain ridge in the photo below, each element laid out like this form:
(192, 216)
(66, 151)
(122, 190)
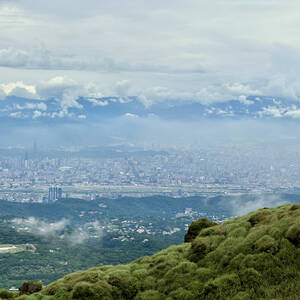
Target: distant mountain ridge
(99, 109)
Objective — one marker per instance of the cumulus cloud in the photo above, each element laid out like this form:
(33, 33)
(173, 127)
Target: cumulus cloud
(130, 115)
(97, 102)
(31, 105)
(293, 113)
(214, 60)
(19, 89)
(37, 114)
(225, 92)
(243, 99)
(63, 89)
(17, 115)
(272, 111)
(206, 95)
(67, 91)
(22, 93)
(122, 88)
(282, 85)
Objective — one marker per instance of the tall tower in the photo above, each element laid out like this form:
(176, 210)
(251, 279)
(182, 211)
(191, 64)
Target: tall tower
(26, 162)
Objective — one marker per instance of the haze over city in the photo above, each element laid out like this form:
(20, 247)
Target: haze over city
(129, 126)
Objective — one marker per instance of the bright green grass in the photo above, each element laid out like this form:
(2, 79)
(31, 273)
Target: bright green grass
(256, 256)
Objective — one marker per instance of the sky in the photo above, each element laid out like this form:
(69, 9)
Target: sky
(195, 50)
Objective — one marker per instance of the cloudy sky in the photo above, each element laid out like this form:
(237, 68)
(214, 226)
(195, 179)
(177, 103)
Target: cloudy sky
(196, 50)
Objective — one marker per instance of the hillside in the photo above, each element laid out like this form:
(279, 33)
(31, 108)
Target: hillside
(255, 256)
(73, 234)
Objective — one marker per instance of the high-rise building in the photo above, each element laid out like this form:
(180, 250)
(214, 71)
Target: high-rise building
(59, 193)
(54, 194)
(26, 161)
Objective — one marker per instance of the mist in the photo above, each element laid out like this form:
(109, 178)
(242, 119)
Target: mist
(60, 229)
(244, 205)
(147, 132)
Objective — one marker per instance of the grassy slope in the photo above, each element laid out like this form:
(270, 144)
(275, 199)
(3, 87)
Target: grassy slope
(256, 256)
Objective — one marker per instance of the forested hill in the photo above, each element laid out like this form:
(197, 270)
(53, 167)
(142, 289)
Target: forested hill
(255, 256)
(124, 206)
(152, 206)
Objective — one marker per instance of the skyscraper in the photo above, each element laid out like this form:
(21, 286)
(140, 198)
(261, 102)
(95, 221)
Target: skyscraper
(54, 194)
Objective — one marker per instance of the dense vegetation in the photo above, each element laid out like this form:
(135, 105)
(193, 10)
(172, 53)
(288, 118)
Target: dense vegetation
(55, 257)
(156, 206)
(256, 256)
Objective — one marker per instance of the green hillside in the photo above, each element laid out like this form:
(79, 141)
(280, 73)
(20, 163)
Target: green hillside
(256, 256)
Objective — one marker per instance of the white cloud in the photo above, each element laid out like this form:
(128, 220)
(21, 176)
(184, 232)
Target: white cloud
(96, 102)
(272, 111)
(31, 106)
(17, 115)
(19, 89)
(192, 58)
(63, 89)
(130, 115)
(155, 94)
(37, 114)
(281, 85)
(122, 88)
(293, 113)
(243, 99)
(22, 93)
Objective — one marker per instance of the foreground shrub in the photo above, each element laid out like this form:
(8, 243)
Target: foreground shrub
(149, 295)
(195, 228)
(293, 234)
(30, 287)
(5, 294)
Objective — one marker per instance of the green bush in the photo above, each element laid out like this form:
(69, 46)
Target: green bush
(124, 282)
(5, 294)
(196, 227)
(250, 278)
(149, 295)
(30, 287)
(243, 296)
(83, 290)
(227, 285)
(259, 217)
(88, 291)
(181, 294)
(293, 234)
(204, 245)
(266, 244)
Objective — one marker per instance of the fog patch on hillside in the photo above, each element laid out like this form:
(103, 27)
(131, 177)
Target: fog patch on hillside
(61, 229)
(241, 206)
